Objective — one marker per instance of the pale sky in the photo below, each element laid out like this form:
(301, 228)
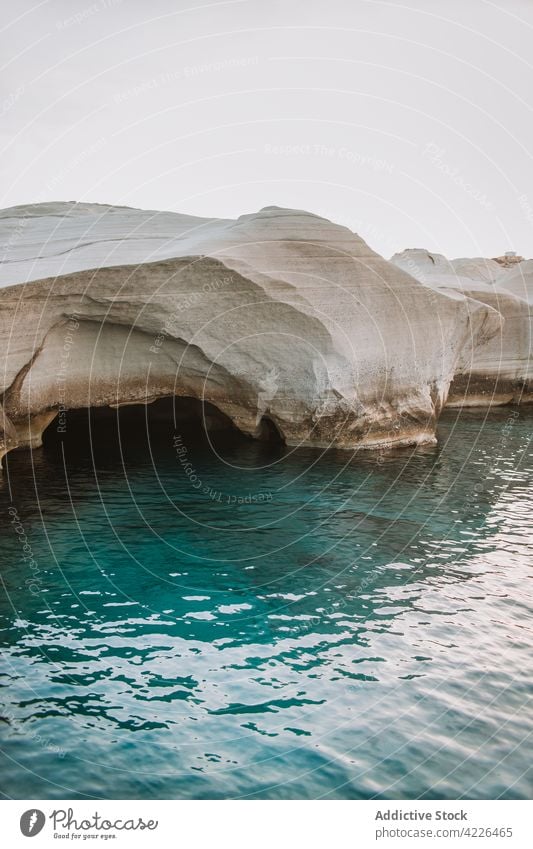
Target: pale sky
(410, 122)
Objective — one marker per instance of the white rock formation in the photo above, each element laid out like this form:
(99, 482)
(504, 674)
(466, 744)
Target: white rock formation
(518, 279)
(422, 263)
(477, 268)
(491, 371)
(280, 318)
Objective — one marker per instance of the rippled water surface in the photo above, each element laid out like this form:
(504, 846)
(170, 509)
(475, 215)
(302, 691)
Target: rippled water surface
(269, 623)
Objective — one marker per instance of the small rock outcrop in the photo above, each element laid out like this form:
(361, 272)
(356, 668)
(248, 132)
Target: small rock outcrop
(277, 320)
(509, 260)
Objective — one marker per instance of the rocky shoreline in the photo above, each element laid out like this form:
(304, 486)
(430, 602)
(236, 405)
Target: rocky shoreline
(277, 323)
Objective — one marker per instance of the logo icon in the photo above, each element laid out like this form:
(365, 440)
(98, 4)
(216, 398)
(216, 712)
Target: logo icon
(31, 822)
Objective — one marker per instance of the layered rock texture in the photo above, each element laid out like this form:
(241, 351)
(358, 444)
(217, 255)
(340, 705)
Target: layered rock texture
(518, 279)
(8, 434)
(279, 321)
(495, 371)
(508, 260)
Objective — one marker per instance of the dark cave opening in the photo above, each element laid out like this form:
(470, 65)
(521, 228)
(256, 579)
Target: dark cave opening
(140, 425)
(269, 432)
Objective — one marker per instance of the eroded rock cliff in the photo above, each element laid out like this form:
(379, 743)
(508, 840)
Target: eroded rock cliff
(491, 370)
(279, 318)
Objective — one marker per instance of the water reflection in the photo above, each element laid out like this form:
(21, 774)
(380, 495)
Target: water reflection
(361, 630)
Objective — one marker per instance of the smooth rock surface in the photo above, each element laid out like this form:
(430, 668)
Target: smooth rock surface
(491, 371)
(518, 279)
(280, 319)
(477, 268)
(422, 263)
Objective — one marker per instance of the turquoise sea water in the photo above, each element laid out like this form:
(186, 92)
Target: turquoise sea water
(295, 625)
